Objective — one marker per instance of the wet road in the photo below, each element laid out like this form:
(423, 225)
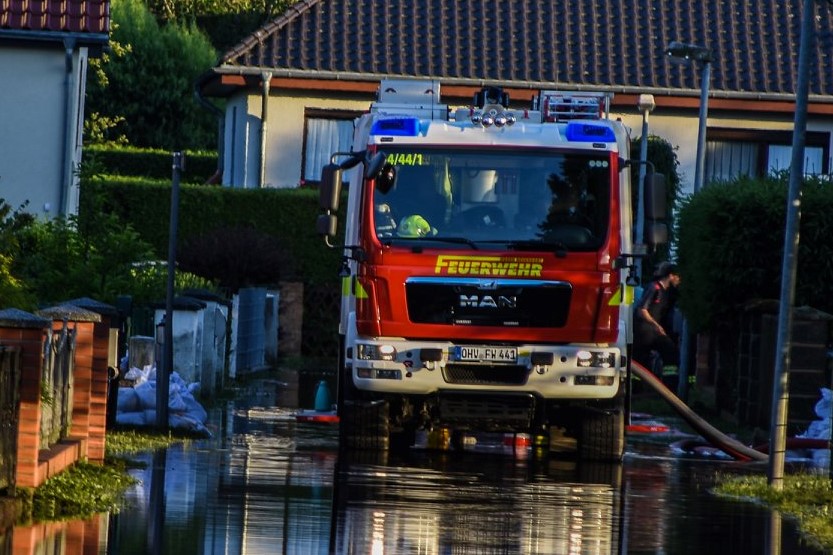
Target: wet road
(267, 484)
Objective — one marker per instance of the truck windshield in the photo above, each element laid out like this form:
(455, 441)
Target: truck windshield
(524, 199)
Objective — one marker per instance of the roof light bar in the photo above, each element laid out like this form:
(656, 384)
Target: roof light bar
(589, 132)
(396, 127)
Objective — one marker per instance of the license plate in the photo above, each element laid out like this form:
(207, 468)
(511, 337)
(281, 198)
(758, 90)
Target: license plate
(487, 354)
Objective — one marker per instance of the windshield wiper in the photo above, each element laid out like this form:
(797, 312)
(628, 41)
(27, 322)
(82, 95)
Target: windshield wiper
(558, 247)
(457, 240)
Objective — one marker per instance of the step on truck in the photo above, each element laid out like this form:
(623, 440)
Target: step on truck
(488, 269)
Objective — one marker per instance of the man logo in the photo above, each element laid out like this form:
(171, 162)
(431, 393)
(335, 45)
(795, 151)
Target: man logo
(488, 301)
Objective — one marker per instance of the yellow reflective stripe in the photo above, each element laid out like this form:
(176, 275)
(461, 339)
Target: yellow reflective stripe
(360, 291)
(347, 287)
(624, 295)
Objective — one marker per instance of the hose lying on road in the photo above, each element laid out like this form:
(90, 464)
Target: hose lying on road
(729, 445)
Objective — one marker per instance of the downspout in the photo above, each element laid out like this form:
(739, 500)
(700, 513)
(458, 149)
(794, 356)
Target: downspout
(266, 78)
(69, 131)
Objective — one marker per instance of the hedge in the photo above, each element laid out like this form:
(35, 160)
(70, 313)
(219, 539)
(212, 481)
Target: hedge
(288, 214)
(731, 242)
(200, 166)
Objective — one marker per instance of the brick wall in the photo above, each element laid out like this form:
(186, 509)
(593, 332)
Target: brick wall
(86, 437)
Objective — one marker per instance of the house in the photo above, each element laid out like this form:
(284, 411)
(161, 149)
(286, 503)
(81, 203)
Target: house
(45, 46)
(292, 87)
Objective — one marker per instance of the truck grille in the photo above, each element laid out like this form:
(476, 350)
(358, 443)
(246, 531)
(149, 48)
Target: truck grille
(467, 374)
(481, 302)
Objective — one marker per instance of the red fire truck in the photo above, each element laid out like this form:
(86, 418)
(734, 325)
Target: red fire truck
(488, 263)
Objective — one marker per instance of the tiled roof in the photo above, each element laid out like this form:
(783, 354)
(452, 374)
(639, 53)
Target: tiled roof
(607, 44)
(78, 17)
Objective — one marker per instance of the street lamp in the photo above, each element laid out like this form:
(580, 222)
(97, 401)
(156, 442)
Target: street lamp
(694, 53)
(646, 105)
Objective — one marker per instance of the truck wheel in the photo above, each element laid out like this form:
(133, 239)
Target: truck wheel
(602, 436)
(364, 425)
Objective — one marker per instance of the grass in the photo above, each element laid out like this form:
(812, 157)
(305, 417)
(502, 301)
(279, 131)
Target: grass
(806, 497)
(81, 492)
(128, 442)
(86, 489)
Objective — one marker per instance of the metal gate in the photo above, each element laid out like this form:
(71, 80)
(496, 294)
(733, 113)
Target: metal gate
(57, 385)
(9, 402)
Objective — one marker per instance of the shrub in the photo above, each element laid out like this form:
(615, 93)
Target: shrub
(731, 241)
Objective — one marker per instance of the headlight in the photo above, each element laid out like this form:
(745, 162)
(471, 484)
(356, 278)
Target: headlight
(595, 359)
(375, 352)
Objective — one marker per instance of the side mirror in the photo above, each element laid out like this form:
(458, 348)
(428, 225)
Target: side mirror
(386, 178)
(655, 196)
(327, 225)
(329, 191)
(375, 165)
(656, 233)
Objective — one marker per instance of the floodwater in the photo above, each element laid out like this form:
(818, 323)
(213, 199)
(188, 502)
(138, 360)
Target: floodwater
(267, 484)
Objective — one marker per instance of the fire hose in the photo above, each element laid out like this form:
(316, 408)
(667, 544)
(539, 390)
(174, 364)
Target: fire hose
(729, 445)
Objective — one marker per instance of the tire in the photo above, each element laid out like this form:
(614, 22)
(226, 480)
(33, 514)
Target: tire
(364, 425)
(602, 436)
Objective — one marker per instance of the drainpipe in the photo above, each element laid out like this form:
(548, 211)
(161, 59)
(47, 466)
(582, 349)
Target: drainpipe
(67, 174)
(266, 78)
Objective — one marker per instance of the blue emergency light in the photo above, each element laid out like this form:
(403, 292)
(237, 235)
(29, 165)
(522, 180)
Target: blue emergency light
(589, 132)
(396, 127)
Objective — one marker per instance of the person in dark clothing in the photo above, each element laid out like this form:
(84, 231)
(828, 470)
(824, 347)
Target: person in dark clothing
(652, 317)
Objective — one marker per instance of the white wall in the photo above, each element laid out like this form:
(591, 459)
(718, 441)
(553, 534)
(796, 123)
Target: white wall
(285, 136)
(33, 128)
(242, 129)
(680, 130)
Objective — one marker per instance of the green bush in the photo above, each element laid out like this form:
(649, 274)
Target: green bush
(731, 240)
(200, 165)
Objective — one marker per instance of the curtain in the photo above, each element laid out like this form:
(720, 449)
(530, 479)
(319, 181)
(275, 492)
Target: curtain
(726, 160)
(324, 137)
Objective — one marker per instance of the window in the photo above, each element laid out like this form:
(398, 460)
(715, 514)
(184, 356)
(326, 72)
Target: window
(732, 152)
(325, 132)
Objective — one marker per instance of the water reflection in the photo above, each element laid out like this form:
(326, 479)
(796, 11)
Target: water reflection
(266, 484)
(472, 503)
(265, 488)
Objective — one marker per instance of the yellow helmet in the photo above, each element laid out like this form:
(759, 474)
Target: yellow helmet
(414, 226)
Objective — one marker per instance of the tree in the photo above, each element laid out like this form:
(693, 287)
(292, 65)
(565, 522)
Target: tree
(226, 22)
(13, 291)
(145, 90)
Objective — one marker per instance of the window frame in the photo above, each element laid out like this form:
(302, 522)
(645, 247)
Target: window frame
(764, 139)
(335, 114)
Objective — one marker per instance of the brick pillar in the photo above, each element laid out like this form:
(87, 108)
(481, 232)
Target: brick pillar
(81, 537)
(82, 396)
(105, 354)
(290, 318)
(26, 332)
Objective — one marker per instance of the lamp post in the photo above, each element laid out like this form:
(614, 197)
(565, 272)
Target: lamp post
(694, 53)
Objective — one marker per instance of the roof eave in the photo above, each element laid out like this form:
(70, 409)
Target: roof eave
(223, 80)
(96, 41)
